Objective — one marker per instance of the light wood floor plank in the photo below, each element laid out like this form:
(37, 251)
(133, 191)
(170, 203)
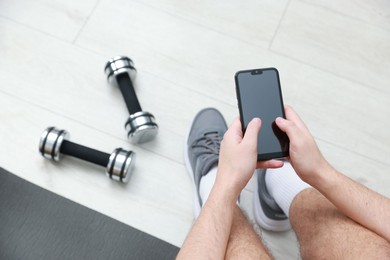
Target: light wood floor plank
(375, 12)
(62, 19)
(342, 45)
(254, 22)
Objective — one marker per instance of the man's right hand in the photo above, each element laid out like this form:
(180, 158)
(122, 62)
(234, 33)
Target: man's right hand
(305, 156)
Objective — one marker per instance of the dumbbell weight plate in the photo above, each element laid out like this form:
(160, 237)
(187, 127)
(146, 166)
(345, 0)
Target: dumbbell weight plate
(117, 65)
(141, 127)
(120, 165)
(50, 142)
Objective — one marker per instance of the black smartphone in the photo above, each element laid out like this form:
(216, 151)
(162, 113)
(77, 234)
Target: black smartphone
(259, 95)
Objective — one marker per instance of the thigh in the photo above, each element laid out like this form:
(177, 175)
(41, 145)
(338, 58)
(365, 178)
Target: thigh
(324, 232)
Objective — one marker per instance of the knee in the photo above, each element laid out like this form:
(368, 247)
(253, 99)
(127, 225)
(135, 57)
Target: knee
(311, 206)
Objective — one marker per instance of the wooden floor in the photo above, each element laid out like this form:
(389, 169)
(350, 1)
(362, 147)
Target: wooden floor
(333, 58)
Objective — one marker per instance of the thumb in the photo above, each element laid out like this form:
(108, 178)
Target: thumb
(252, 132)
(281, 123)
(289, 127)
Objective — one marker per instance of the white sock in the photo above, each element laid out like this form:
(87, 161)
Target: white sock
(283, 185)
(206, 183)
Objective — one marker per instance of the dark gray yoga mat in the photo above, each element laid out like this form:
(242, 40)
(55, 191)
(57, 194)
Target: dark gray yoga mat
(38, 224)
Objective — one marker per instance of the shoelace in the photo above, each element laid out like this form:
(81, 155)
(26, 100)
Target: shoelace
(211, 143)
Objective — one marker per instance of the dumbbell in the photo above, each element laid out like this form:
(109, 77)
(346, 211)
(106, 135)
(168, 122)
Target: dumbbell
(141, 126)
(119, 163)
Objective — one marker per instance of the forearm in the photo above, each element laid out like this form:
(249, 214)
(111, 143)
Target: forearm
(209, 236)
(356, 201)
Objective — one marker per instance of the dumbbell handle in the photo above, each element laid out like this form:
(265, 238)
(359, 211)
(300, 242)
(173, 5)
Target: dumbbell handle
(128, 93)
(84, 153)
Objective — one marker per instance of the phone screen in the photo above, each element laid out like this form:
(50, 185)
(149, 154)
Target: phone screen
(259, 95)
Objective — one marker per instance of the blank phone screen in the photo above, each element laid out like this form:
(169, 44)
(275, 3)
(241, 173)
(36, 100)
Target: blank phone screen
(259, 95)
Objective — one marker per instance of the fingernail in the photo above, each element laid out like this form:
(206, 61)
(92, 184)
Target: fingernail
(256, 119)
(280, 119)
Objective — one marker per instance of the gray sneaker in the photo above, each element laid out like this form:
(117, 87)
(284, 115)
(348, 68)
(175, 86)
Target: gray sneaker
(266, 211)
(201, 151)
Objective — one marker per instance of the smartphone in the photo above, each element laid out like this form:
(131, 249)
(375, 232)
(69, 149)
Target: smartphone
(259, 95)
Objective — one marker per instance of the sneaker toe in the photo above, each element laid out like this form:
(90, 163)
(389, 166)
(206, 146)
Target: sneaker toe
(207, 119)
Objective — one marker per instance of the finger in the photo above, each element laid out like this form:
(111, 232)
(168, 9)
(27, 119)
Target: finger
(270, 164)
(289, 127)
(293, 116)
(235, 128)
(252, 133)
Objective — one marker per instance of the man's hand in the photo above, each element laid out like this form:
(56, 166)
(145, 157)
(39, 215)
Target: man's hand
(238, 156)
(305, 156)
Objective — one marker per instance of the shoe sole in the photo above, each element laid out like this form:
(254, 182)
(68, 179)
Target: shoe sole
(191, 174)
(264, 221)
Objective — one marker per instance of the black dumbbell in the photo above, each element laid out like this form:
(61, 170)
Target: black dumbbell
(119, 163)
(141, 125)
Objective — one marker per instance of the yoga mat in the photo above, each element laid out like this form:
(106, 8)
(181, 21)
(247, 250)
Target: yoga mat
(38, 224)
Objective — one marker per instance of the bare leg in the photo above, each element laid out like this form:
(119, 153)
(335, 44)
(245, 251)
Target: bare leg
(325, 233)
(244, 243)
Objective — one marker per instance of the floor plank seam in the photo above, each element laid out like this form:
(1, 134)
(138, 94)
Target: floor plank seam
(26, 26)
(347, 16)
(86, 21)
(381, 91)
(351, 151)
(279, 24)
(194, 22)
